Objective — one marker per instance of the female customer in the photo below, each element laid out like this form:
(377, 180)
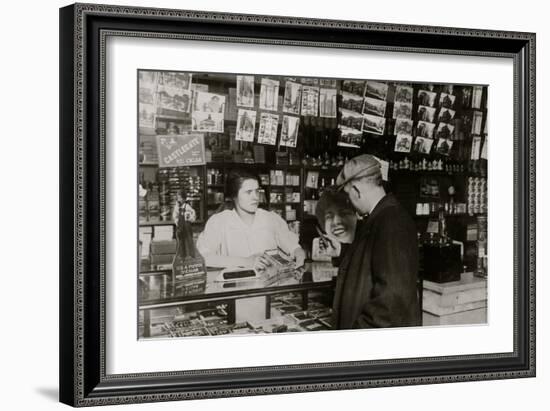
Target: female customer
(238, 235)
(338, 219)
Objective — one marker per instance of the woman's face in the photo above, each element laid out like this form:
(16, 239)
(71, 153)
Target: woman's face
(248, 197)
(340, 223)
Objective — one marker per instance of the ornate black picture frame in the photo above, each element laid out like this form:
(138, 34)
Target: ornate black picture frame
(83, 32)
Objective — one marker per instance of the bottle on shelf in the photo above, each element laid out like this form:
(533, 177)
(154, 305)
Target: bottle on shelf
(444, 240)
(326, 160)
(322, 187)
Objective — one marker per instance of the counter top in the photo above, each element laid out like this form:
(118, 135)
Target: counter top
(467, 282)
(156, 288)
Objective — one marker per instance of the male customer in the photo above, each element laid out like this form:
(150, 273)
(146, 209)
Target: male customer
(377, 278)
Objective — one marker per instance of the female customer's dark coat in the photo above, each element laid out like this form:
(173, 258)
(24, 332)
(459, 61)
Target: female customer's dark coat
(377, 277)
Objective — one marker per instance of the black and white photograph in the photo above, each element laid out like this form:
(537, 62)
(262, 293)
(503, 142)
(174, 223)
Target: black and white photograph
(208, 102)
(373, 124)
(403, 143)
(356, 87)
(146, 115)
(351, 119)
(289, 131)
(444, 146)
(267, 130)
(376, 89)
(403, 93)
(403, 126)
(350, 137)
(444, 130)
(177, 80)
(484, 148)
(446, 100)
(423, 145)
(147, 86)
(147, 94)
(310, 101)
(426, 98)
(327, 102)
(269, 94)
(477, 93)
(425, 129)
(292, 98)
(475, 152)
(173, 92)
(208, 122)
(351, 102)
(402, 110)
(169, 99)
(246, 125)
(445, 115)
(245, 91)
(192, 239)
(426, 113)
(477, 119)
(374, 106)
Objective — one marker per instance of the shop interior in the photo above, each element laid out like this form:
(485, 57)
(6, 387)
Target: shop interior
(295, 134)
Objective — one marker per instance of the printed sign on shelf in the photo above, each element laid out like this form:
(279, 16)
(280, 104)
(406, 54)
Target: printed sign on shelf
(181, 150)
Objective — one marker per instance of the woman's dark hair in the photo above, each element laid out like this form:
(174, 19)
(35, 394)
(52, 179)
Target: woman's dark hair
(331, 198)
(233, 183)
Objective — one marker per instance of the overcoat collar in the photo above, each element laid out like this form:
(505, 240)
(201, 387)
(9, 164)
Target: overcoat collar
(388, 200)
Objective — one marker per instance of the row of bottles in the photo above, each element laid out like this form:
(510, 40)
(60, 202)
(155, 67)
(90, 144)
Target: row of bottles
(423, 165)
(431, 208)
(451, 167)
(159, 197)
(324, 161)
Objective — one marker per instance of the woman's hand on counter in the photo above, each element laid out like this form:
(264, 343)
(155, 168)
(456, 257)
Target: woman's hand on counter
(299, 257)
(259, 261)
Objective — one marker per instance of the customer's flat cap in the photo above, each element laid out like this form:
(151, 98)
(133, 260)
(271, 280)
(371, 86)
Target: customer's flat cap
(364, 165)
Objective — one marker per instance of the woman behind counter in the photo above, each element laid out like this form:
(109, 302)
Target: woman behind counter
(238, 235)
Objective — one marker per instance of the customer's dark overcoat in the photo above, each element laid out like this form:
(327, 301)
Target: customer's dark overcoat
(378, 274)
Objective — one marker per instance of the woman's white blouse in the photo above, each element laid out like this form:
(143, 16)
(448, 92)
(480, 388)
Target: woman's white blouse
(226, 234)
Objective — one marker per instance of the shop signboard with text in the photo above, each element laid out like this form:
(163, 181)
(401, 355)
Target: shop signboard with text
(181, 150)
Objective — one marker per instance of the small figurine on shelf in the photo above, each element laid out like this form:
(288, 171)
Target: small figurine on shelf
(183, 210)
(326, 161)
(452, 191)
(319, 161)
(424, 164)
(188, 267)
